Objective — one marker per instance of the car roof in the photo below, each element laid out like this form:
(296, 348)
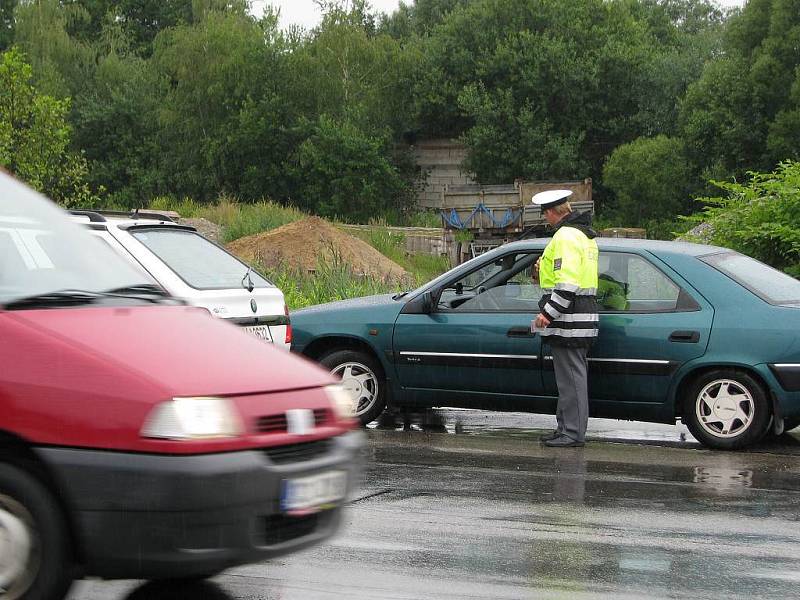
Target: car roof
(123, 219)
(655, 246)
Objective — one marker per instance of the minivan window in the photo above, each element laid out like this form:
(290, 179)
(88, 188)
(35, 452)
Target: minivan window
(42, 251)
(771, 285)
(201, 264)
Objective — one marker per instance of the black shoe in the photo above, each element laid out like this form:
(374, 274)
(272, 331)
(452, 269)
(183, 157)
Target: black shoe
(550, 436)
(562, 441)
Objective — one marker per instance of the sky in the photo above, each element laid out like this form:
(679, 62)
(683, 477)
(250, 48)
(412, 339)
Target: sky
(306, 14)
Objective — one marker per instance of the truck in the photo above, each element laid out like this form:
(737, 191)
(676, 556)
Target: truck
(490, 215)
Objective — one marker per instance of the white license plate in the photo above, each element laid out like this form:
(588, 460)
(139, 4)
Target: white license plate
(260, 331)
(315, 492)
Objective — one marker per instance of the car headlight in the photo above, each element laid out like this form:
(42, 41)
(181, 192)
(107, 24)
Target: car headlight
(343, 404)
(193, 418)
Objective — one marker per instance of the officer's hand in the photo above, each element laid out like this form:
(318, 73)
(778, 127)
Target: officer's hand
(542, 321)
(535, 274)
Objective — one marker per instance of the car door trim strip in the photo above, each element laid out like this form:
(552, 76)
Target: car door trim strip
(625, 366)
(457, 359)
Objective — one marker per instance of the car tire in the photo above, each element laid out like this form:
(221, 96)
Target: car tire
(362, 376)
(35, 556)
(726, 409)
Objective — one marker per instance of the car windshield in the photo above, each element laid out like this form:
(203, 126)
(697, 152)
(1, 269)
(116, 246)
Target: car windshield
(771, 285)
(42, 251)
(201, 264)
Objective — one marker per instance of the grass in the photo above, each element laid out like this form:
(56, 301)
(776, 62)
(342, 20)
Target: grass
(327, 284)
(392, 245)
(236, 218)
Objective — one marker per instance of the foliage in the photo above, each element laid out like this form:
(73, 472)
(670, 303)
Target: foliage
(340, 171)
(62, 64)
(7, 23)
(34, 136)
(212, 67)
(117, 128)
(742, 114)
(760, 218)
(546, 90)
(650, 178)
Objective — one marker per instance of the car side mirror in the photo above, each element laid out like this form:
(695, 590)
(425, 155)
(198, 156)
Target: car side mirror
(423, 304)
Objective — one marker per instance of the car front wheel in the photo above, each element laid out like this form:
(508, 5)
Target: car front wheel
(726, 409)
(362, 378)
(34, 545)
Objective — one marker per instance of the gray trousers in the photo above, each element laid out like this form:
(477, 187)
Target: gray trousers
(572, 414)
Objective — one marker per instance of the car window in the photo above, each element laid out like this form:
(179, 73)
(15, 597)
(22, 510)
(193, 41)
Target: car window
(630, 283)
(42, 251)
(201, 264)
(504, 285)
(771, 285)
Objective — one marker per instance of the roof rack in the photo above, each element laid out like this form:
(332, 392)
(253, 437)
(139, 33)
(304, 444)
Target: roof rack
(99, 216)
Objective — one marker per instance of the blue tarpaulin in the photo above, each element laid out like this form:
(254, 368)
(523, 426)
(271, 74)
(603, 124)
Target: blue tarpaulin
(453, 220)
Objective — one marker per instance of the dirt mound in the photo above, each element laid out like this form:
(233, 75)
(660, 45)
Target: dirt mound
(308, 243)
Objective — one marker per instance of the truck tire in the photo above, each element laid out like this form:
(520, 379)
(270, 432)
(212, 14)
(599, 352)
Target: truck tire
(35, 554)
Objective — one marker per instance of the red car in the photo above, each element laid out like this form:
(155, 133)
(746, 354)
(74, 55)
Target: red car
(142, 438)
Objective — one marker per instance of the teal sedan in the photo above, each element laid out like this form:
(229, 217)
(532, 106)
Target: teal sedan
(691, 332)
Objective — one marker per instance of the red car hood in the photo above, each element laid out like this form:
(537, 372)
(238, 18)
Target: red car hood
(182, 350)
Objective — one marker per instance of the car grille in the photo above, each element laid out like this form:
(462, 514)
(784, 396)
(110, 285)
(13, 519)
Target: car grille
(302, 452)
(277, 423)
(276, 529)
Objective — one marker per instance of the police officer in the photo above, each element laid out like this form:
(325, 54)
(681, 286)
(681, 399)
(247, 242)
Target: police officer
(568, 319)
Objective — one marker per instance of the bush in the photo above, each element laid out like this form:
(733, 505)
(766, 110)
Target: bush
(650, 178)
(760, 218)
(342, 171)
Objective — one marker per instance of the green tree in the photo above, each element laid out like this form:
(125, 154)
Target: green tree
(760, 218)
(62, 65)
(7, 23)
(547, 89)
(211, 69)
(651, 180)
(742, 113)
(34, 136)
(116, 126)
(341, 172)
(347, 73)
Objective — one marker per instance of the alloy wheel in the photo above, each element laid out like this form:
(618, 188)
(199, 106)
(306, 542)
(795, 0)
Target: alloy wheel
(725, 408)
(361, 383)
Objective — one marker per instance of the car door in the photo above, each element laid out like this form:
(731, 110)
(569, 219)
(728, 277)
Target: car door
(651, 322)
(475, 347)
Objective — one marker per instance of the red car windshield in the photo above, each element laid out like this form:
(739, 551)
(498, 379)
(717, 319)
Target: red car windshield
(43, 252)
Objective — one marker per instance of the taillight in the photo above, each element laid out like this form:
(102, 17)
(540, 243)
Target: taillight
(288, 339)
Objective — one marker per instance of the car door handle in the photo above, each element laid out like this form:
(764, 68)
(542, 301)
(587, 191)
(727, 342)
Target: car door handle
(520, 332)
(685, 337)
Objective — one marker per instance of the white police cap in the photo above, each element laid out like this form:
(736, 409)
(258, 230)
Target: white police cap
(551, 198)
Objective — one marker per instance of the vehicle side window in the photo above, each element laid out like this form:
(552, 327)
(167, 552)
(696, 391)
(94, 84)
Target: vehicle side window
(630, 283)
(504, 285)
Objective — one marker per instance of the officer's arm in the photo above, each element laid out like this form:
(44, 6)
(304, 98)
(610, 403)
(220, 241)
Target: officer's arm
(566, 268)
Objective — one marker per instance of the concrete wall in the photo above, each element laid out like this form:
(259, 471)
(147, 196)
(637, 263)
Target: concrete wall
(441, 161)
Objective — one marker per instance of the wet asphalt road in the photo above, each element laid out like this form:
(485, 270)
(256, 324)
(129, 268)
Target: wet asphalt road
(470, 506)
